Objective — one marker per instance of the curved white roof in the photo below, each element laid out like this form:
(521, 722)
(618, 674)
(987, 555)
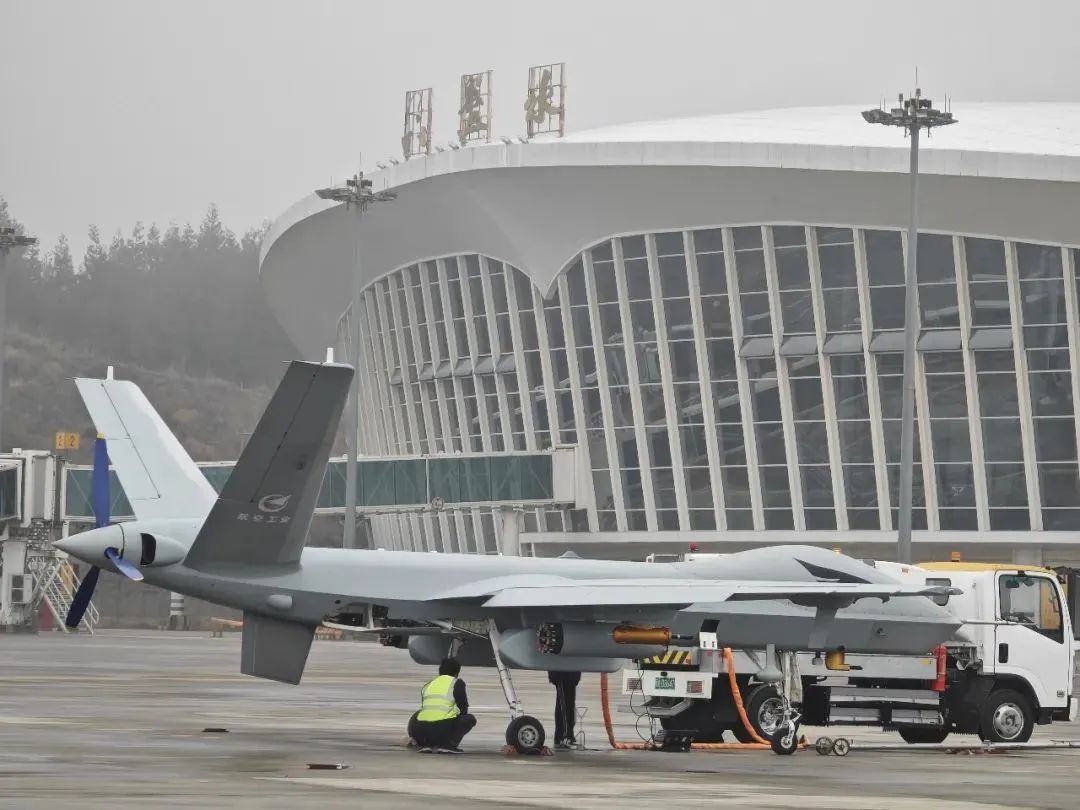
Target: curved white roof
(1022, 129)
(1004, 169)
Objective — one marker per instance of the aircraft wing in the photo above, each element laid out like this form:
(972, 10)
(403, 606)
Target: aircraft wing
(680, 593)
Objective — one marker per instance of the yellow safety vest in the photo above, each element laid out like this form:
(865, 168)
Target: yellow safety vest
(437, 700)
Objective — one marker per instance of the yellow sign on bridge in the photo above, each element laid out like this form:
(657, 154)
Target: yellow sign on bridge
(67, 441)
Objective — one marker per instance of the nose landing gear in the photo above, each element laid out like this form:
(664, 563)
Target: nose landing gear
(786, 739)
(785, 678)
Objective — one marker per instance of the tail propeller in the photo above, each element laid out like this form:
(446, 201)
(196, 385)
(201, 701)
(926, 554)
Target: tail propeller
(100, 498)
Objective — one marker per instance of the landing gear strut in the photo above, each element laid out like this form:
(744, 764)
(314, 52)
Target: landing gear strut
(525, 734)
(785, 740)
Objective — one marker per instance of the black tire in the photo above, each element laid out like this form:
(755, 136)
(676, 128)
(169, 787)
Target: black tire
(917, 736)
(1006, 717)
(783, 745)
(759, 704)
(525, 734)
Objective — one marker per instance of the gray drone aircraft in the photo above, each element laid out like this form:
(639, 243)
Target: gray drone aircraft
(245, 549)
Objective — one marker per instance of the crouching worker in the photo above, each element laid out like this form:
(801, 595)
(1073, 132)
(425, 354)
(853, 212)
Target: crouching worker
(443, 719)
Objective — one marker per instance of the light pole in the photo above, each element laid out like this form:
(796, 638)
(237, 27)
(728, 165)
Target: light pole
(9, 239)
(357, 194)
(913, 114)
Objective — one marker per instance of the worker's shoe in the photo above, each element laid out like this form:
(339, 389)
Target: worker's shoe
(423, 749)
(565, 745)
(450, 750)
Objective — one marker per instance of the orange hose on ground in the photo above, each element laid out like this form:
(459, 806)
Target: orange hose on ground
(729, 660)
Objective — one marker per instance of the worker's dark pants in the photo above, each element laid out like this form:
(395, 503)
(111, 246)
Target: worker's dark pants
(441, 733)
(565, 711)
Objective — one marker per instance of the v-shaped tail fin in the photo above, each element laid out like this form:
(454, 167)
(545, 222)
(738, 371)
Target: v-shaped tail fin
(265, 507)
(158, 476)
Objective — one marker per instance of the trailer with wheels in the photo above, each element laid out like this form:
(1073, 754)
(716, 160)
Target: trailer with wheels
(1009, 668)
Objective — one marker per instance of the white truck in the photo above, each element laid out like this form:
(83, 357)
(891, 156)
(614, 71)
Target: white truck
(1009, 668)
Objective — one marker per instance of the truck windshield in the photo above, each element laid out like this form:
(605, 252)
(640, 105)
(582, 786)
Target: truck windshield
(1032, 602)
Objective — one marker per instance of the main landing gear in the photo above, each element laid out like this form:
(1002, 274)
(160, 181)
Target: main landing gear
(525, 734)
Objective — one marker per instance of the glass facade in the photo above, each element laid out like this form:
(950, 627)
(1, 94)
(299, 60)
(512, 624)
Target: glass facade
(740, 378)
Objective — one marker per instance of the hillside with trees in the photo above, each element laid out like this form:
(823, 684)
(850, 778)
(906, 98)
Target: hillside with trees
(179, 310)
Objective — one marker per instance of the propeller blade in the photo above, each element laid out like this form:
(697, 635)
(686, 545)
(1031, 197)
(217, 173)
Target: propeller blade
(99, 483)
(123, 566)
(81, 601)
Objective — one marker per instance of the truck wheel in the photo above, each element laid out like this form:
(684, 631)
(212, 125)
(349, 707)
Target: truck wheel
(917, 736)
(764, 710)
(1006, 717)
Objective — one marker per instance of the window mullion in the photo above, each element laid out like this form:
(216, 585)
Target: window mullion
(474, 355)
(664, 361)
(551, 407)
(922, 419)
(398, 444)
(575, 391)
(753, 471)
(518, 343)
(1023, 384)
(873, 392)
(505, 418)
(605, 395)
(708, 412)
(418, 339)
(971, 386)
(828, 392)
(636, 406)
(1072, 318)
(407, 378)
(783, 382)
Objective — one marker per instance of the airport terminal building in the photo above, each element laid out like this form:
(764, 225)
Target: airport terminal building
(710, 311)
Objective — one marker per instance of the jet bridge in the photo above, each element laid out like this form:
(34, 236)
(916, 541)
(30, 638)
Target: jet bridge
(396, 484)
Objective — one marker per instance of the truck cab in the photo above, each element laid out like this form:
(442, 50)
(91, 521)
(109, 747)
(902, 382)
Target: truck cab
(1024, 636)
(1018, 638)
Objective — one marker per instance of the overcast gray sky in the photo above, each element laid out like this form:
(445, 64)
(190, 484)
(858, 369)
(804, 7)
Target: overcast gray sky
(115, 111)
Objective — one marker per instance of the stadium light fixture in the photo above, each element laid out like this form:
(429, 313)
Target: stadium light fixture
(357, 194)
(10, 239)
(913, 114)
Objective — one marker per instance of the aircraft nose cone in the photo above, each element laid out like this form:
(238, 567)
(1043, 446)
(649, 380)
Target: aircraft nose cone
(90, 546)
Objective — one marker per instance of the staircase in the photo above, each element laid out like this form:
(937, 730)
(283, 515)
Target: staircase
(55, 584)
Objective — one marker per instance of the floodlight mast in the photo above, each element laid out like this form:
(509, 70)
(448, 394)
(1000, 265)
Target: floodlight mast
(357, 194)
(9, 240)
(913, 114)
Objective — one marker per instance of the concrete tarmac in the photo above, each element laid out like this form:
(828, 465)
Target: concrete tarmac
(116, 720)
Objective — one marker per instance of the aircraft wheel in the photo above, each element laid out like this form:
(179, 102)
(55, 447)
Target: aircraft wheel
(525, 734)
(785, 743)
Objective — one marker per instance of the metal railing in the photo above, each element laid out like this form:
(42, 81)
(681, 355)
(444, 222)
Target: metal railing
(55, 584)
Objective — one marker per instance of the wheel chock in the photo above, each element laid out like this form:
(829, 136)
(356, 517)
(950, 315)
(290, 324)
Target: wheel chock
(510, 751)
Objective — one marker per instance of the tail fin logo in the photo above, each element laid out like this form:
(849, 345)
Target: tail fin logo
(273, 503)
